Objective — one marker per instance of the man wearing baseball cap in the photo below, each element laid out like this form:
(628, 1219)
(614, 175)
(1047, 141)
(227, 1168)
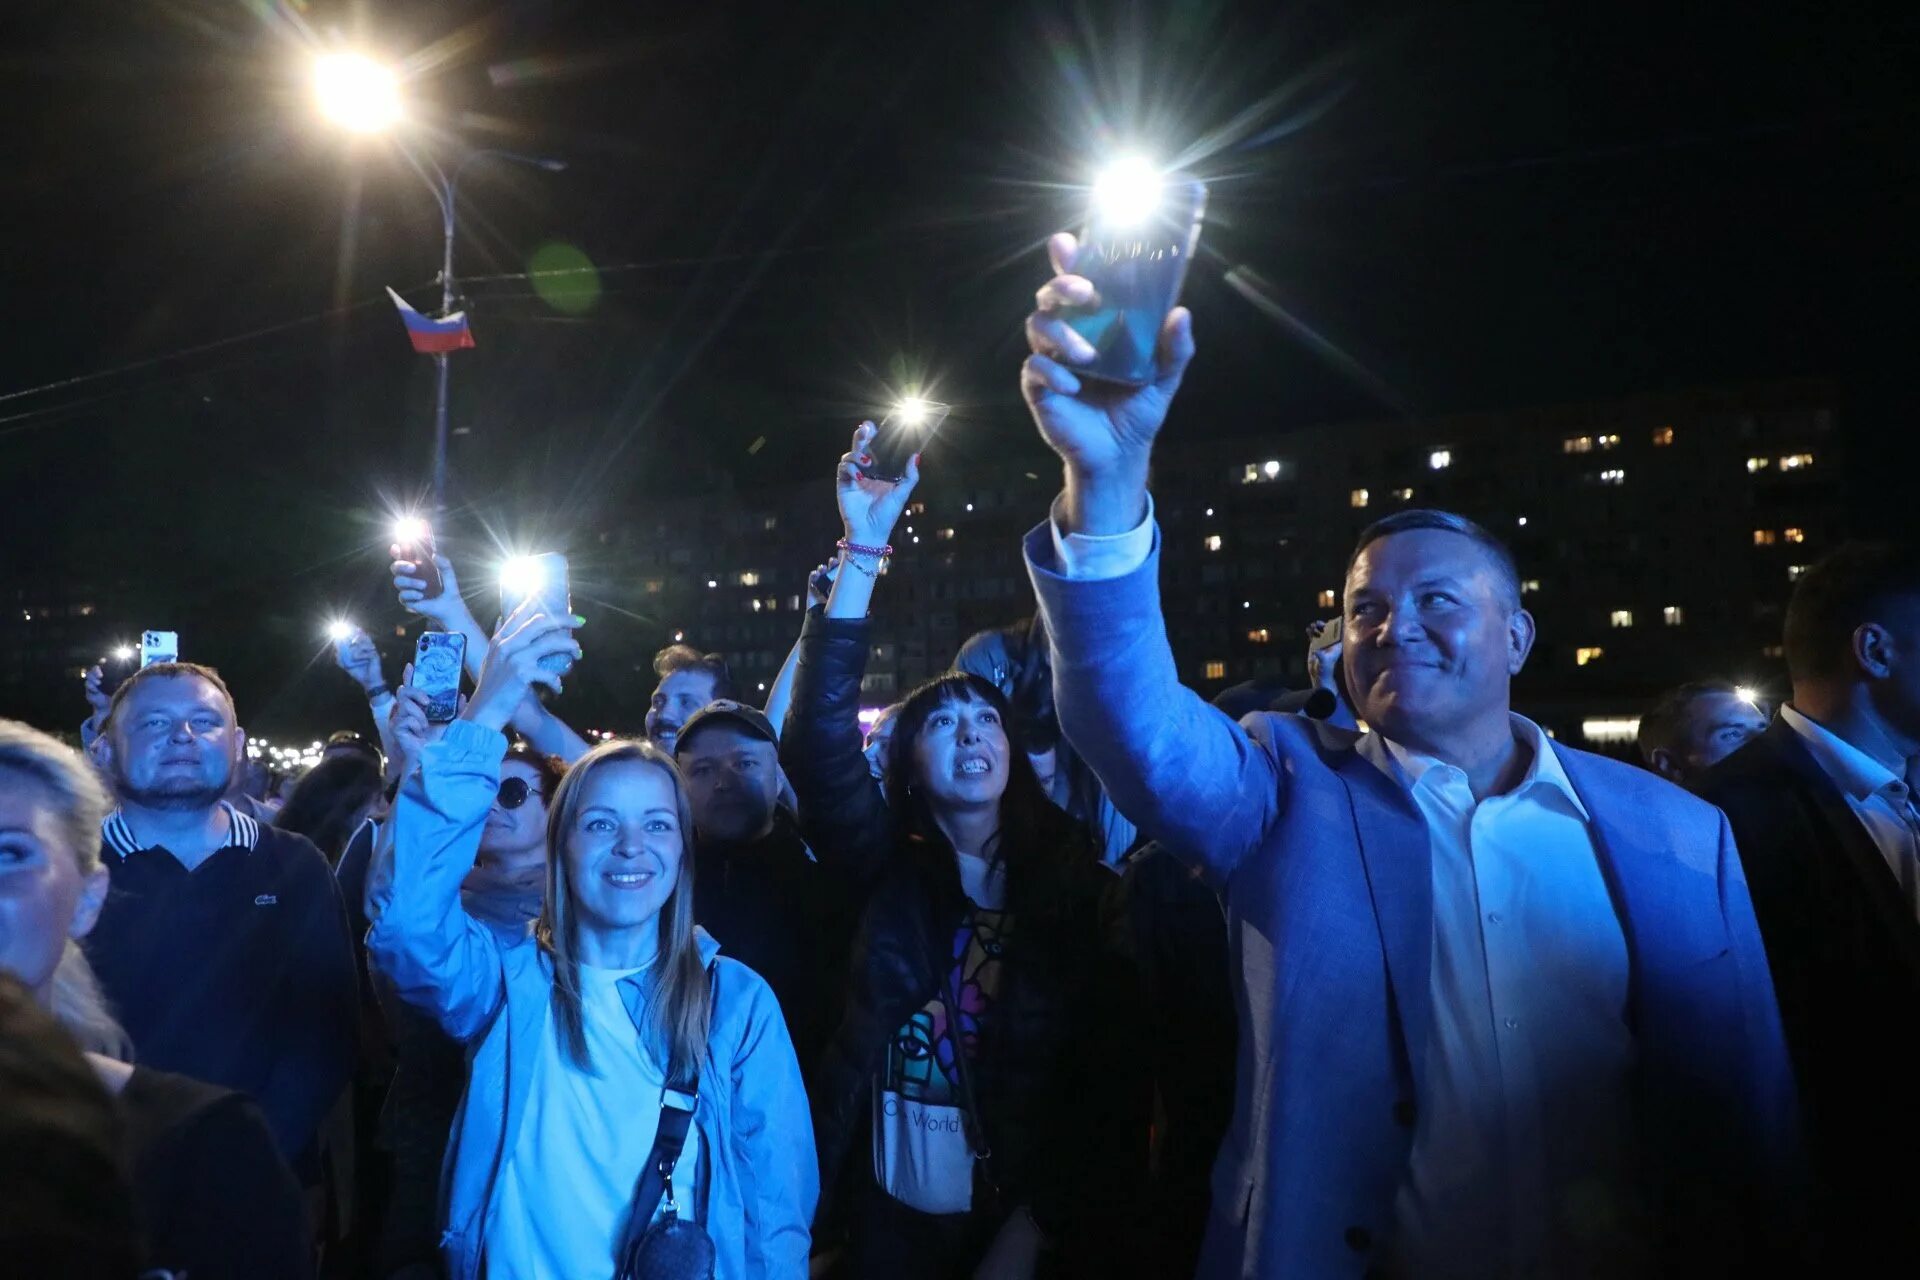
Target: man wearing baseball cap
(757, 888)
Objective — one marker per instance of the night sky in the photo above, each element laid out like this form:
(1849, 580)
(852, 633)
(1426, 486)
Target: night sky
(793, 206)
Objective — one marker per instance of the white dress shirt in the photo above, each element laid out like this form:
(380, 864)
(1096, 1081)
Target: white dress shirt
(1878, 796)
(1520, 1152)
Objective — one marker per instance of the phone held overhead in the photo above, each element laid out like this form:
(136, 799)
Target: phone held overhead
(905, 431)
(542, 578)
(1141, 234)
(414, 537)
(438, 658)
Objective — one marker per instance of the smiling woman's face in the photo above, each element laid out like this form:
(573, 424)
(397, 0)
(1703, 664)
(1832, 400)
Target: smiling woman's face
(624, 847)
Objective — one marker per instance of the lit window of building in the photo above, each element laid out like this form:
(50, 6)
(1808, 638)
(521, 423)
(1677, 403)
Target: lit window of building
(1611, 729)
(1774, 651)
(1271, 468)
(1662, 437)
(1795, 535)
(1796, 461)
(1765, 537)
(1673, 615)
(770, 523)
(1213, 542)
(1216, 671)
(1522, 522)
(1794, 571)
(1403, 495)
(1440, 459)
(1606, 442)
(1258, 635)
(1615, 476)
(756, 604)
(1620, 618)
(945, 535)
(1530, 586)
(1577, 444)
(1328, 598)
(1758, 464)
(748, 578)
(916, 508)
(712, 583)
(1581, 657)
(655, 586)
(1358, 498)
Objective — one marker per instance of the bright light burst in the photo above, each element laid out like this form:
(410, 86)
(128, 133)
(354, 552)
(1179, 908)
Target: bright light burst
(1747, 695)
(521, 577)
(340, 630)
(1127, 192)
(124, 653)
(913, 410)
(411, 531)
(357, 93)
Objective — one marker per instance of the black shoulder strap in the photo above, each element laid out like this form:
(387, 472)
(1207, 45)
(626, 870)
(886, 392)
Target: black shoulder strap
(678, 1101)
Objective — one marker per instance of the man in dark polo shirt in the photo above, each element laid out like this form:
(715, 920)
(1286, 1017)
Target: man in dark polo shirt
(223, 945)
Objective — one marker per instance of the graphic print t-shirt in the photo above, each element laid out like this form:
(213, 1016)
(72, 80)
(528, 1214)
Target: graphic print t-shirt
(920, 1064)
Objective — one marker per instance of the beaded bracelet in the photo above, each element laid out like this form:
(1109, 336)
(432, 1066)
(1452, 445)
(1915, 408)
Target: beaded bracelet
(855, 548)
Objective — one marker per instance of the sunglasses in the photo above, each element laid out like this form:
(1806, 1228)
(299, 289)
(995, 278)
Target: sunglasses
(514, 792)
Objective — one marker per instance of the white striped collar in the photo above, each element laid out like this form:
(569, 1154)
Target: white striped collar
(243, 832)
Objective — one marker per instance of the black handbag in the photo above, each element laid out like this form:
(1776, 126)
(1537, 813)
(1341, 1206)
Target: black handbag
(659, 1244)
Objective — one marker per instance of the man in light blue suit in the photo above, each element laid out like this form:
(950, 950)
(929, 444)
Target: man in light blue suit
(1503, 1006)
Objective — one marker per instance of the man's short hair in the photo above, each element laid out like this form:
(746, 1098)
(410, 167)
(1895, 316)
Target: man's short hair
(162, 671)
(1661, 727)
(1447, 522)
(684, 657)
(1857, 583)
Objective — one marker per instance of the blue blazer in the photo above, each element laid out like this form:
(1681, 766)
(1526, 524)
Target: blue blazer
(1324, 865)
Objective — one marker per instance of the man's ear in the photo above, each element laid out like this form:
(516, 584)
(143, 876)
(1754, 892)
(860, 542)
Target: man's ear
(1521, 633)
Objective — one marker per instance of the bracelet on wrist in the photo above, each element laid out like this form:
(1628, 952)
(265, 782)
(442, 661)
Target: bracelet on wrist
(378, 692)
(857, 566)
(854, 548)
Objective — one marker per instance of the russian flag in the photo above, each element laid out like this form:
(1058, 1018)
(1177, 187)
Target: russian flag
(431, 337)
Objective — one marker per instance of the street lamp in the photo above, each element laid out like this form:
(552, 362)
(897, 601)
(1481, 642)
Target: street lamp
(363, 96)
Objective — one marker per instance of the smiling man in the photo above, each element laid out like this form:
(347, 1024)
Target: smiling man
(223, 944)
(1503, 1005)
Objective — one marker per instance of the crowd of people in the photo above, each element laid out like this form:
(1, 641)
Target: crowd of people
(1055, 970)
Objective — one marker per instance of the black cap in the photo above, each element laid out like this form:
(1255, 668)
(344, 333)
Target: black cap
(752, 719)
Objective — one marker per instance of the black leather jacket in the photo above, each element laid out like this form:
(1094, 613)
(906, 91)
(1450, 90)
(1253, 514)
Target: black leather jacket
(1060, 1081)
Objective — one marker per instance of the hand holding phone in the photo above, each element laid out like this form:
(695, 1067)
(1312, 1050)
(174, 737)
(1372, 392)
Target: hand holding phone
(438, 659)
(413, 542)
(1138, 245)
(905, 431)
(543, 581)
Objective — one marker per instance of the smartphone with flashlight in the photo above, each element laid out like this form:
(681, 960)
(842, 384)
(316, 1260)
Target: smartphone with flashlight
(415, 539)
(437, 662)
(904, 432)
(159, 646)
(1136, 250)
(544, 578)
(114, 670)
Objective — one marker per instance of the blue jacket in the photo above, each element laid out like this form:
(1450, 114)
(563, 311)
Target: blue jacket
(1324, 863)
(758, 1175)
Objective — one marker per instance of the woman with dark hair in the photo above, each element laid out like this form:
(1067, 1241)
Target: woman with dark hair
(330, 802)
(606, 1030)
(983, 1092)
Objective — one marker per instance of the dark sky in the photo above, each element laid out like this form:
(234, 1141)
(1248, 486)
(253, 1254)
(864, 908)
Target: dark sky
(793, 205)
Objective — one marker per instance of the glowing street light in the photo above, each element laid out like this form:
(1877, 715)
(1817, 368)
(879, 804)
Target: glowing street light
(1127, 192)
(357, 93)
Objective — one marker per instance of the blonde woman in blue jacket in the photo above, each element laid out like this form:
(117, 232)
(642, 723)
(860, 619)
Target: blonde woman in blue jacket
(573, 1032)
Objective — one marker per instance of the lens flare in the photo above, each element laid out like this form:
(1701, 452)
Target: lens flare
(521, 577)
(340, 630)
(124, 653)
(1748, 695)
(411, 531)
(912, 410)
(356, 93)
(1127, 192)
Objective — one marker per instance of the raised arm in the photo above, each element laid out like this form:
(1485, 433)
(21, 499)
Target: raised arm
(1182, 771)
(438, 957)
(844, 814)
(449, 611)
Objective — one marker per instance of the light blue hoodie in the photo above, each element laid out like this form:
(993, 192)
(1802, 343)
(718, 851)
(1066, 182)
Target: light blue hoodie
(755, 1136)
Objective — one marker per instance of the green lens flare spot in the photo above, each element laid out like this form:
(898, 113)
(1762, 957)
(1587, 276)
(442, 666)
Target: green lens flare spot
(564, 278)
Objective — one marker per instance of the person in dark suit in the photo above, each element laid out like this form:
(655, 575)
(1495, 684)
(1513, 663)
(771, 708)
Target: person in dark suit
(1503, 1007)
(1825, 819)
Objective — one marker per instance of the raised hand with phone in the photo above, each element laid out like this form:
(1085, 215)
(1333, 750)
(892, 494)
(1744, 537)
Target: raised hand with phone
(1102, 430)
(870, 507)
(518, 659)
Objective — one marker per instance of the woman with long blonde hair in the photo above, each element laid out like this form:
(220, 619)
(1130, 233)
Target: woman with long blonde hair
(588, 1038)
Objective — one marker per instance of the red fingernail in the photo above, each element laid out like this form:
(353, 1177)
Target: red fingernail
(866, 459)
(916, 459)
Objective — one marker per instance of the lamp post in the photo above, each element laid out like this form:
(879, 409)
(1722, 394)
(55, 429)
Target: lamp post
(360, 95)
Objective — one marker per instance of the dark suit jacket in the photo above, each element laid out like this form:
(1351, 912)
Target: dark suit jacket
(1845, 952)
